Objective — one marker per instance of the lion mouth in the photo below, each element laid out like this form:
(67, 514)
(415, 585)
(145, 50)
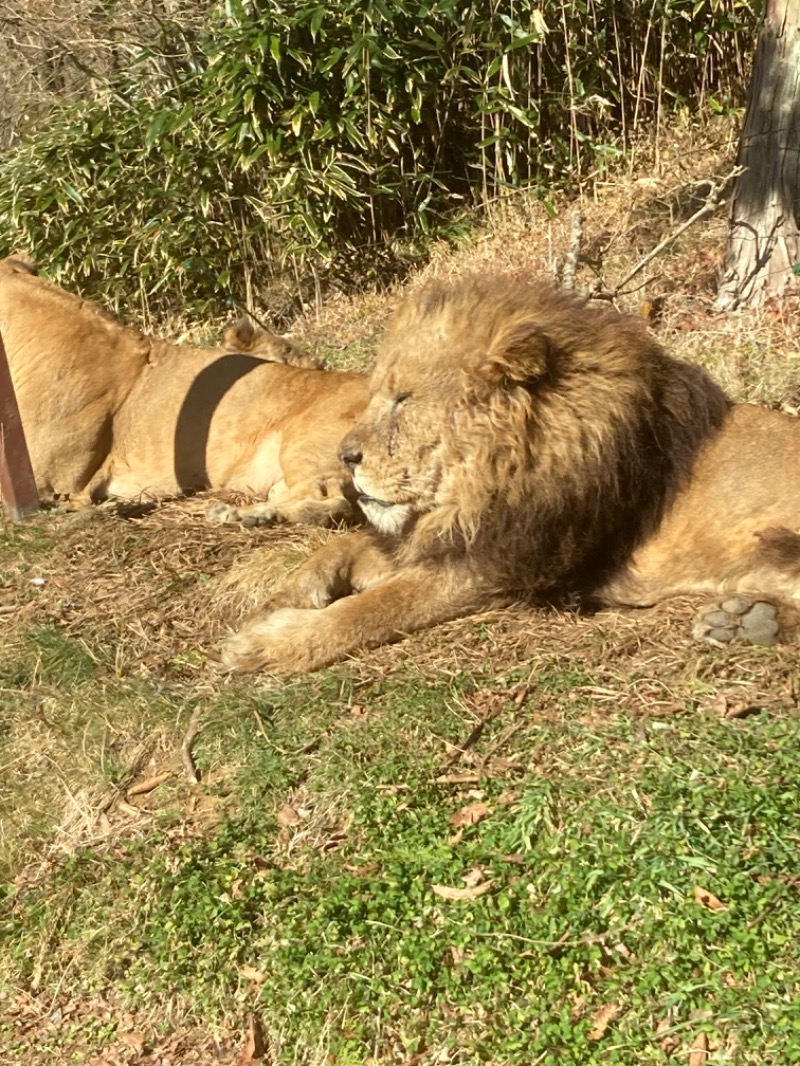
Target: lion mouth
(364, 498)
(387, 517)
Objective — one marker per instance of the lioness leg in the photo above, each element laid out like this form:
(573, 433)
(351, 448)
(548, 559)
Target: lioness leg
(292, 641)
(317, 502)
(319, 499)
(310, 512)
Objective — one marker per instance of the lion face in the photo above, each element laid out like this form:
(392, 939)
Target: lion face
(396, 454)
(448, 413)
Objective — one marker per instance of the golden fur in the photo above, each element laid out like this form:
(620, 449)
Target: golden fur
(520, 444)
(110, 412)
(250, 339)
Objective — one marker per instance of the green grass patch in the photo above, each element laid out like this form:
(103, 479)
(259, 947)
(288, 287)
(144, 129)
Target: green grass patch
(625, 883)
(589, 945)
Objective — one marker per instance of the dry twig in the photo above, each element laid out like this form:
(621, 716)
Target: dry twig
(574, 252)
(712, 202)
(186, 747)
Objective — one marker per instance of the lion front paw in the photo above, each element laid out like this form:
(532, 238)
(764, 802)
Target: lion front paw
(222, 514)
(738, 618)
(225, 514)
(287, 641)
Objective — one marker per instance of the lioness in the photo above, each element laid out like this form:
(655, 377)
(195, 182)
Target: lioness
(520, 444)
(110, 412)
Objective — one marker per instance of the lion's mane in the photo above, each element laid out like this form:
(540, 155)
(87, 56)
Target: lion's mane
(569, 433)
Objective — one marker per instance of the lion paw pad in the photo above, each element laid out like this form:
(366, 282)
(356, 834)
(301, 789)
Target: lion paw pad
(737, 618)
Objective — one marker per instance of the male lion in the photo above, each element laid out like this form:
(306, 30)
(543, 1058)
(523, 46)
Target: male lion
(520, 444)
(110, 412)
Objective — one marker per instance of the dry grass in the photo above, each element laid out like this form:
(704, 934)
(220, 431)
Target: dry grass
(127, 591)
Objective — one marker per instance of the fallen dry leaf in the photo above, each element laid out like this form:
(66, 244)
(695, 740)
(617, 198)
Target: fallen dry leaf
(743, 710)
(254, 1045)
(602, 1018)
(458, 779)
(708, 899)
(474, 876)
(669, 1041)
(149, 784)
(462, 893)
(720, 704)
(725, 707)
(699, 1052)
(132, 1040)
(250, 973)
(365, 869)
(469, 815)
(287, 816)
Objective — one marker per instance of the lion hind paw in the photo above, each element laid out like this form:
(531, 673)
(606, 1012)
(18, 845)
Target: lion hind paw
(738, 618)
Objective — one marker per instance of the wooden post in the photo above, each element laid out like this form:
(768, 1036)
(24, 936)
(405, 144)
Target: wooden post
(17, 483)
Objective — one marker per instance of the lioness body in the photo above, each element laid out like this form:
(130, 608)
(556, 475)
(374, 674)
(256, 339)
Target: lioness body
(521, 445)
(108, 411)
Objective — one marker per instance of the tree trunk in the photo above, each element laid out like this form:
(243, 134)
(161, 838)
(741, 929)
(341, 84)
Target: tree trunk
(762, 257)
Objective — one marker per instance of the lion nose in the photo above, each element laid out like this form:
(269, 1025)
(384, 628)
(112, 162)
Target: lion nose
(350, 454)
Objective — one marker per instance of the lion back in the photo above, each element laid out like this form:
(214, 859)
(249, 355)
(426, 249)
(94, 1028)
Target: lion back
(72, 365)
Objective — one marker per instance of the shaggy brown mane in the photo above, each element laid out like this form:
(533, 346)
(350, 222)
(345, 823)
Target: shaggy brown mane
(580, 429)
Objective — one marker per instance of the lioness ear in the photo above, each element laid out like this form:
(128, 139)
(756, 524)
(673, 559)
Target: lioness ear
(240, 335)
(520, 355)
(21, 263)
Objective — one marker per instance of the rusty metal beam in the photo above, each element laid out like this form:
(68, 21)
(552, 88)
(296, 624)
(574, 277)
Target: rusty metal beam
(17, 483)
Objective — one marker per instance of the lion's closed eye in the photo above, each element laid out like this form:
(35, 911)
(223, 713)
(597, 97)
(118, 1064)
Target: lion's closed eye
(397, 404)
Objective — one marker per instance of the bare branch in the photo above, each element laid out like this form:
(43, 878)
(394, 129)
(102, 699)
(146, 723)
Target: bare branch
(714, 199)
(573, 255)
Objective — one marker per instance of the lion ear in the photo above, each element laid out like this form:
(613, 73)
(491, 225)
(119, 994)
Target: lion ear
(520, 355)
(240, 335)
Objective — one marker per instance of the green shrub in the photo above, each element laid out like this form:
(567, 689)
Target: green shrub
(318, 141)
